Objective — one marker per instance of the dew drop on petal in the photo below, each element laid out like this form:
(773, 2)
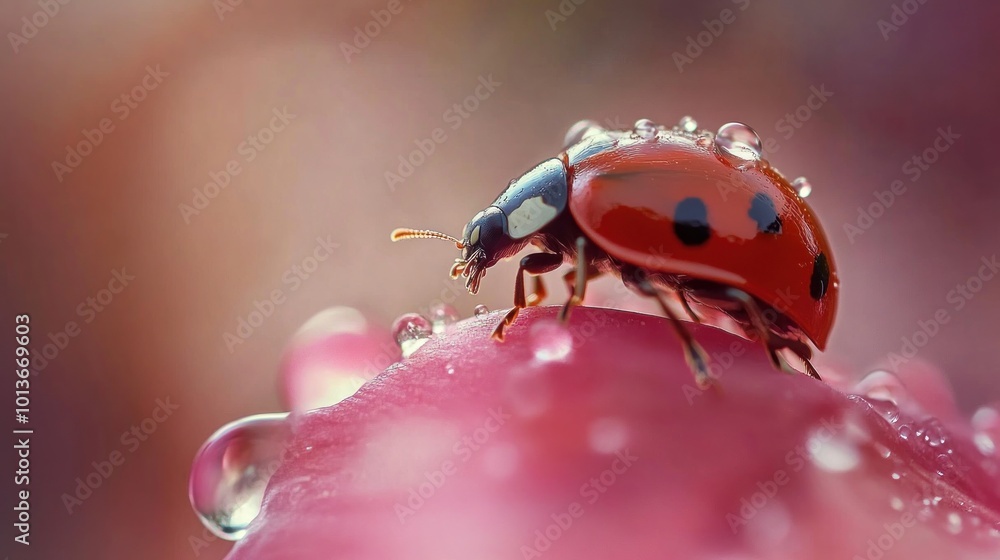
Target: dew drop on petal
(550, 341)
(687, 124)
(896, 503)
(481, 310)
(231, 471)
(645, 128)
(449, 369)
(904, 431)
(802, 186)
(738, 144)
(883, 451)
(607, 435)
(411, 331)
(885, 408)
(442, 315)
(882, 385)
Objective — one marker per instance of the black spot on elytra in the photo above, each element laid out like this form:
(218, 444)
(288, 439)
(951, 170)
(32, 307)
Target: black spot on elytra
(820, 280)
(691, 221)
(763, 212)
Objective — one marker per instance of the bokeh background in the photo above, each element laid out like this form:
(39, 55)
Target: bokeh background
(226, 65)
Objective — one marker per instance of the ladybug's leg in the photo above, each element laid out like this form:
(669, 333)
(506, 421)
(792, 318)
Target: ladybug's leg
(697, 359)
(538, 293)
(771, 341)
(538, 263)
(576, 280)
(687, 307)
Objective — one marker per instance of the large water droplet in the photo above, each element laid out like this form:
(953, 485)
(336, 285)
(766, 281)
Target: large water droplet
(984, 443)
(738, 144)
(411, 331)
(882, 385)
(802, 186)
(885, 409)
(933, 433)
(953, 523)
(481, 310)
(645, 128)
(231, 471)
(687, 124)
(442, 315)
(550, 341)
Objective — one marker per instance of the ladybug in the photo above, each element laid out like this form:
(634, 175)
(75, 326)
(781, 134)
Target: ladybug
(674, 212)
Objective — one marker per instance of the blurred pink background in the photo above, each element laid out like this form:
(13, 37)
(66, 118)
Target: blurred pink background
(216, 72)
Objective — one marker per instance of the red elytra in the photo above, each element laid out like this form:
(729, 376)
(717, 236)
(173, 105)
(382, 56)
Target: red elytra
(668, 211)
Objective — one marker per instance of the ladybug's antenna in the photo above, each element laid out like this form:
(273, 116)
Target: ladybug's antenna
(406, 233)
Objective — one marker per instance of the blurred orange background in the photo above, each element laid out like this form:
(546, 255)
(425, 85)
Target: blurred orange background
(94, 182)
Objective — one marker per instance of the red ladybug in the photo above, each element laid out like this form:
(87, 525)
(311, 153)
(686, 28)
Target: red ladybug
(669, 211)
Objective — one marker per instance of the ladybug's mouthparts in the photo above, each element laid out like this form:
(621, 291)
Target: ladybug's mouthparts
(473, 270)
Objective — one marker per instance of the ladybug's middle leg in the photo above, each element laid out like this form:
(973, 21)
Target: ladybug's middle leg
(772, 342)
(576, 280)
(535, 264)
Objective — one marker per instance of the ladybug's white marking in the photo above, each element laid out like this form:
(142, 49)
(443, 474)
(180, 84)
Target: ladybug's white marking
(530, 217)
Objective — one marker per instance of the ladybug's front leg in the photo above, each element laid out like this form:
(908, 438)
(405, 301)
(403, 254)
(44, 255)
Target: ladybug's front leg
(538, 263)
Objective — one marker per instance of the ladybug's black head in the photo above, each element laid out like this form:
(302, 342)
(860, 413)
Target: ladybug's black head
(525, 207)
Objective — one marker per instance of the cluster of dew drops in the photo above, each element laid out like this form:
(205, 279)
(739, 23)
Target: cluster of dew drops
(735, 143)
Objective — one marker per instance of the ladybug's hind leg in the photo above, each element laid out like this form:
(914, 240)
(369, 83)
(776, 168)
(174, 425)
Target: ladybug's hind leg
(771, 341)
(696, 357)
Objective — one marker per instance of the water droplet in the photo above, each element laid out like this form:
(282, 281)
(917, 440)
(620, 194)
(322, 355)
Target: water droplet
(885, 409)
(738, 144)
(231, 471)
(896, 503)
(933, 433)
(481, 310)
(834, 455)
(688, 124)
(882, 385)
(984, 443)
(896, 476)
(883, 451)
(411, 331)
(905, 431)
(550, 341)
(645, 128)
(802, 186)
(442, 315)
(449, 369)
(581, 131)
(953, 523)
(607, 435)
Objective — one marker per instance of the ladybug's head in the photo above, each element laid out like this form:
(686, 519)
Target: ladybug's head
(485, 241)
(523, 209)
